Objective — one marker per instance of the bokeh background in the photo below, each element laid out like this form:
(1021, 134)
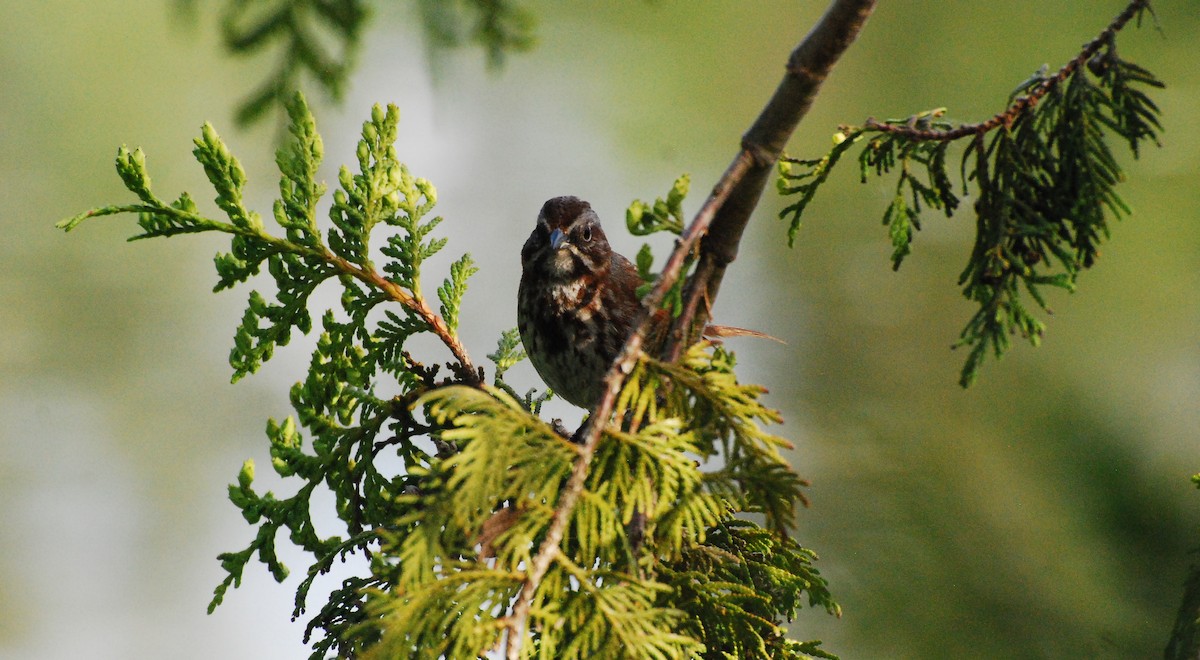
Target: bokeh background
(1044, 513)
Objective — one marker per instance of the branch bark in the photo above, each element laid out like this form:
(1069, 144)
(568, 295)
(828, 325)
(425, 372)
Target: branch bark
(717, 230)
(807, 67)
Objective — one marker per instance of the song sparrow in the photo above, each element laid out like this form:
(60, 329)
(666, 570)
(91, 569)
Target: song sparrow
(577, 300)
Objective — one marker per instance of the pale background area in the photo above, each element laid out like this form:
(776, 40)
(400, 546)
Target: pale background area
(1044, 513)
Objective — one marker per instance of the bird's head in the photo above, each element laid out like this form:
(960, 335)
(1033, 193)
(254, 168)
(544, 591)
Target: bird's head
(567, 242)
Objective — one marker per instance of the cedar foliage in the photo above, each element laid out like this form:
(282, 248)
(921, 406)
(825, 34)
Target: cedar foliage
(1042, 175)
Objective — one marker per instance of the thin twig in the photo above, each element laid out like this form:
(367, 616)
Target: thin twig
(1022, 103)
(744, 178)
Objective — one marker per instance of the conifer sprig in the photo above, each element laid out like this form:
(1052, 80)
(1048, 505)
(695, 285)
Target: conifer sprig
(382, 192)
(665, 215)
(1043, 176)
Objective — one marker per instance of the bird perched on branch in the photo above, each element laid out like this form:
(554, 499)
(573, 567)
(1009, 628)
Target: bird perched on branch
(578, 301)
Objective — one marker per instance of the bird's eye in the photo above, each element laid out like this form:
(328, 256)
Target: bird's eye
(586, 234)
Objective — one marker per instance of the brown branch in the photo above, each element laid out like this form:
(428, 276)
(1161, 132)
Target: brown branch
(807, 67)
(724, 215)
(1024, 102)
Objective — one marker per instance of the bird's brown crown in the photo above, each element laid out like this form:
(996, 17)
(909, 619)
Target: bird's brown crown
(560, 212)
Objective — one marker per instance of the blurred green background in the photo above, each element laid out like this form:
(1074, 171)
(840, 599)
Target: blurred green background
(1045, 513)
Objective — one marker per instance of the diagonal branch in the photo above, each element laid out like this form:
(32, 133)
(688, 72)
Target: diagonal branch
(807, 67)
(717, 229)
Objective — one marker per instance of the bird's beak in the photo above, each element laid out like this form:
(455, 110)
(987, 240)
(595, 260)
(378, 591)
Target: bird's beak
(557, 238)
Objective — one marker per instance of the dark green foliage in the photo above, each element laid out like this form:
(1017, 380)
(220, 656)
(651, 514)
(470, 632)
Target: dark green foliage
(319, 39)
(1046, 190)
(301, 27)
(903, 214)
(1042, 174)
(804, 176)
(738, 584)
(500, 27)
(445, 487)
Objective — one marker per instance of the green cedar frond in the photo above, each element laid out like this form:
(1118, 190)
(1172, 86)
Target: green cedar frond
(727, 417)
(291, 513)
(652, 473)
(1046, 194)
(884, 153)
(504, 455)
(795, 174)
(509, 352)
(227, 177)
(452, 290)
(340, 618)
(1043, 174)
(388, 344)
(739, 584)
(620, 620)
(408, 248)
(456, 616)
(299, 189)
(383, 191)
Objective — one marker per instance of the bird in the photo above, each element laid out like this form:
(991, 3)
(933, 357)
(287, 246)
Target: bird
(577, 302)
